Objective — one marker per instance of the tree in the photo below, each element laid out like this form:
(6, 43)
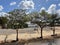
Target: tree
(42, 24)
(52, 22)
(17, 19)
(3, 22)
(39, 20)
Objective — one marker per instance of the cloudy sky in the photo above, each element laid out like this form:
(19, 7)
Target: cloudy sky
(32, 5)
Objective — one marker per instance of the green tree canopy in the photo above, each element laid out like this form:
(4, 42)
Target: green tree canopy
(17, 16)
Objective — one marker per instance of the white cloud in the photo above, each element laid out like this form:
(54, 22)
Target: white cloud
(59, 4)
(12, 3)
(43, 8)
(3, 14)
(1, 8)
(26, 4)
(52, 9)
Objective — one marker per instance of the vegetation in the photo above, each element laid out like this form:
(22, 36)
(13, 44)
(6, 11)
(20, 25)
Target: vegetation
(3, 22)
(17, 19)
(52, 22)
(41, 21)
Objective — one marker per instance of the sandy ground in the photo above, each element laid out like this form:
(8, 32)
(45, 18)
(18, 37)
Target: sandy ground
(27, 33)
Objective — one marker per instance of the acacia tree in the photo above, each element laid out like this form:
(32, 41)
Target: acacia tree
(52, 22)
(16, 19)
(40, 20)
(42, 25)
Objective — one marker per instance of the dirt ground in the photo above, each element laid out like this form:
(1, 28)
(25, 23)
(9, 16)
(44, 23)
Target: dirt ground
(26, 34)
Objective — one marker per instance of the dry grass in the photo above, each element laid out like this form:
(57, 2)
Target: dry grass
(29, 37)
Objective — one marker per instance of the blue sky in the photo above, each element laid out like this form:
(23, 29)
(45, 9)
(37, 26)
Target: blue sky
(8, 5)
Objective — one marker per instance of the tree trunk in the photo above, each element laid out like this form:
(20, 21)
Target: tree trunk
(41, 32)
(5, 38)
(53, 30)
(17, 35)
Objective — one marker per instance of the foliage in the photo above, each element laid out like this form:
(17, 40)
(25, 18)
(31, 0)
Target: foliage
(3, 21)
(17, 18)
(53, 19)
